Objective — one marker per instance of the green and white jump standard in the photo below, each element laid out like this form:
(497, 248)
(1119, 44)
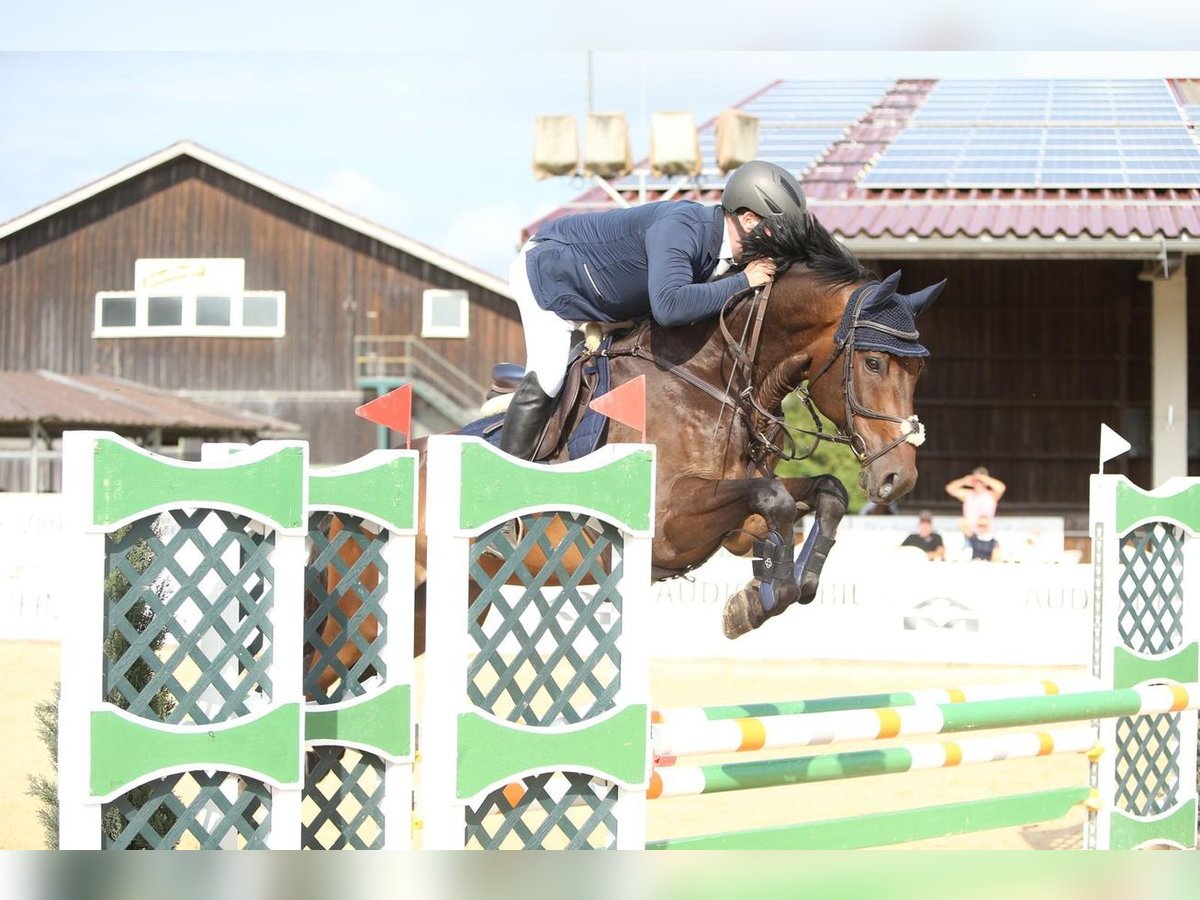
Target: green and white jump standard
(1147, 563)
(185, 715)
(536, 718)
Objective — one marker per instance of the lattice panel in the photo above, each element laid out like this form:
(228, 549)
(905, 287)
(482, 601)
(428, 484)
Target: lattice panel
(188, 618)
(566, 667)
(194, 810)
(549, 811)
(1151, 589)
(1147, 764)
(343, 793)
(345, 584)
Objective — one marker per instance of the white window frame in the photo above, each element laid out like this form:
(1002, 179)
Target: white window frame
(141, 327)
(460, 330)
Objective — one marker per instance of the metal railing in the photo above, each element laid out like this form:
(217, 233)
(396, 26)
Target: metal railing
(406, 358)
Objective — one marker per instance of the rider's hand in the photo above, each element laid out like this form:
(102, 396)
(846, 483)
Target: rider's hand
(760, 271)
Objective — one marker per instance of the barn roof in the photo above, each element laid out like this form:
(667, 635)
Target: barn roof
(272, 186)
(1122, 206)
(57, 402)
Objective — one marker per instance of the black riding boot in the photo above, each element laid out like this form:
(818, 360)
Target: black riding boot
(526, 418)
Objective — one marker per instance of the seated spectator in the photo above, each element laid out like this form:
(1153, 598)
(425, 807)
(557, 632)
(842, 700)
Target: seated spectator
(926, 538)
(983, 543)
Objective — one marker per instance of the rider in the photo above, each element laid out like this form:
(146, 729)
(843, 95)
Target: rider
(660, 260)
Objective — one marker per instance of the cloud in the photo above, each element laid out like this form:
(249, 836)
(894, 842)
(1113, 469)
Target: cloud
(486, 236)
(358, 193)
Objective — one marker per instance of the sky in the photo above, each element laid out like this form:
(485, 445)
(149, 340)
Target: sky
(424, 124)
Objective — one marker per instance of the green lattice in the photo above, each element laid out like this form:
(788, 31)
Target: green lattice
(578, 675)
(573, 676)
(361, 586)
(1147, 764)
(203, 578)
(1150, 622)
(1151, 589)
(552, 810)
(194, 810)
(343, 790)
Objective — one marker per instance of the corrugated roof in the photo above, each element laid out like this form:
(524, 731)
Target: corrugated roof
(980, 215)
(99, 401)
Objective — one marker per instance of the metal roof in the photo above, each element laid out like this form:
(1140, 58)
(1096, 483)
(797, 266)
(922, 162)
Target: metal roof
(57, 402)
(979, 220)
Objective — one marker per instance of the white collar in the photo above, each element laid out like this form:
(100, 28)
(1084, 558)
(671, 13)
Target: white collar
(726, 251)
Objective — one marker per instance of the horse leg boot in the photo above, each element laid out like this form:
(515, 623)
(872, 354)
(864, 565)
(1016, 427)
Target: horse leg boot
(754, 604)
(828, 499)
(526, 418)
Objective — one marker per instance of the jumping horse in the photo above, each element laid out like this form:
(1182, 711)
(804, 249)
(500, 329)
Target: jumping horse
(827, 329)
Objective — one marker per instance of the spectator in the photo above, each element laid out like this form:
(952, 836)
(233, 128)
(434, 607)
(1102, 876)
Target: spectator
(983, 543)
(979, 494)
(926, 538)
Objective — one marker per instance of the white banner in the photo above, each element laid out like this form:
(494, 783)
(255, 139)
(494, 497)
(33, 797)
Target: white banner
(31, 565)
(877, 602)
(892, 605)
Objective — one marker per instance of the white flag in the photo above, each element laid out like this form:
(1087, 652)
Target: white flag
(1111, 445)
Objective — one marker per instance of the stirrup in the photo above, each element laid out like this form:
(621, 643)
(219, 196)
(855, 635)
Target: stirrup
(514, 532)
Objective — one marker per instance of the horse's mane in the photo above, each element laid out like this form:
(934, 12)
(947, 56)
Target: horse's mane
(806, 241)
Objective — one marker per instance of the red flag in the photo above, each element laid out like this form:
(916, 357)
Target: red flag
(625, 404)
(393, 410)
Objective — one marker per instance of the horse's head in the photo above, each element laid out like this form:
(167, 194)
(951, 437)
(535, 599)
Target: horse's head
(853, 338)
(866, 381)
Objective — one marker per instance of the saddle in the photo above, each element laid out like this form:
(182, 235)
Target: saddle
(573, 426)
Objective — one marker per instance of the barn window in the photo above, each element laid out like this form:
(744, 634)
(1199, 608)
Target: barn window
(117, 311)
(244, 314)
(446, 314)
(213, 311)
(164, 311)
(190, 297)
(262, 309)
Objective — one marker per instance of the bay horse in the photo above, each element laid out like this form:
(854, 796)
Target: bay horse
(826, 328)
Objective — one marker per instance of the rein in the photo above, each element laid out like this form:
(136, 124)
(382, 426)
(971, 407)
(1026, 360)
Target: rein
(766, 427)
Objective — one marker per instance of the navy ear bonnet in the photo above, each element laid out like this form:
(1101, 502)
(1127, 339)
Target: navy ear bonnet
(886, 320)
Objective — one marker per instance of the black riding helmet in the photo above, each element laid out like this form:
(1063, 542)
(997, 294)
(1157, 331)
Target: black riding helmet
(764, 188)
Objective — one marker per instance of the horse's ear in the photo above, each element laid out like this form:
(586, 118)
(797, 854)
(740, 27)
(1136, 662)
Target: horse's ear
(883, 294)
(919, 301)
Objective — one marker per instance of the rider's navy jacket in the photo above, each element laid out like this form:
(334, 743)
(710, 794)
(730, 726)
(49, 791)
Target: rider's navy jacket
(649, 260)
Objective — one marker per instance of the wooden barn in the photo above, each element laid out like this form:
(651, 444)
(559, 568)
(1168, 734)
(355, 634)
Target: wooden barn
(1066, 216)
(188, 273)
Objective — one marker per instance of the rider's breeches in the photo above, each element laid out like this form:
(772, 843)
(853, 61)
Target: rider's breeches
(547, 337)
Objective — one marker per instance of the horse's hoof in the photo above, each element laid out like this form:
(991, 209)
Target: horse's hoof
(743, 612)
(808, 591)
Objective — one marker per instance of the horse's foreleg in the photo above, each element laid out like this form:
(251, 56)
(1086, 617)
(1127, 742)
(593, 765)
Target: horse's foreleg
(826, 497)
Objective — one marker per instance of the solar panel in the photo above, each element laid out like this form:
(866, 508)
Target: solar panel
(798, 122)
(1043, 133)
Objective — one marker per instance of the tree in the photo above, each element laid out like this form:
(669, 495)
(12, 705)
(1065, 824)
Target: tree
(827, 457)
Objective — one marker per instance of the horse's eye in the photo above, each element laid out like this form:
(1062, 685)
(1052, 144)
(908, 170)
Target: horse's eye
(873, 364)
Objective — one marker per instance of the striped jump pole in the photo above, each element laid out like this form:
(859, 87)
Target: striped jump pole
(691, 781)
(921, 697)
(808, 729)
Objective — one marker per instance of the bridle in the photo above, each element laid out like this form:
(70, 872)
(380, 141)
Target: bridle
(912, 431)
